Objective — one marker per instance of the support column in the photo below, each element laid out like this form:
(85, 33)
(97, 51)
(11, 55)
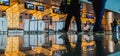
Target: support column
(107, 20)
(12, 15)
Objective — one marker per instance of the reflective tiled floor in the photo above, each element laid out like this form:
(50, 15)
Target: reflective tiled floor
(86, 44)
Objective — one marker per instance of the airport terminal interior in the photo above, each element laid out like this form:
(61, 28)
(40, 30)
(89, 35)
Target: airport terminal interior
(31, 28)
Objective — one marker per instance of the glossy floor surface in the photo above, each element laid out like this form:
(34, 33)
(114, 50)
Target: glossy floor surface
(59, 44)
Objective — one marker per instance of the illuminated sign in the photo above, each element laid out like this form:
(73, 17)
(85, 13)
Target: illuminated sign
(56, 10)
(5, 2)
(88, 16)
(59, 52)
(92, 17)
(40, 8)
(29, 6)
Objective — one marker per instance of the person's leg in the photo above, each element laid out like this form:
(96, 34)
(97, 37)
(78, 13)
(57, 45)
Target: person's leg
(67, 22)
(67, 44)
(78, 21)
(99, 6)
(78, 47)
(100, 51)
(114, 29)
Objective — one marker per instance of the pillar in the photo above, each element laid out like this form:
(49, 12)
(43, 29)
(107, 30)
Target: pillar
(12, 15)
(109, 20)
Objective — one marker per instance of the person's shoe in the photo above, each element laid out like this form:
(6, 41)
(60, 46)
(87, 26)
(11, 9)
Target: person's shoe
(98, 33)
(101, 32)
(63, 36)
(79, 33)
(86, 31)
(62, 31)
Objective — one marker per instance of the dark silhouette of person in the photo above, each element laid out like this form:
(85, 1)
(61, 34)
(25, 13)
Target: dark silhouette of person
(100, 51)
(73, 10)
(114, 25)
(99, 7)
(78, 48)
(67, 44)
(77, 51)
(115, 36)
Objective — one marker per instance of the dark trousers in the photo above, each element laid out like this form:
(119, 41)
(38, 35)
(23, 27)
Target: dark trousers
(114, 28)
(100, 51)
(98, 6)
(78, 48)
(77, 18)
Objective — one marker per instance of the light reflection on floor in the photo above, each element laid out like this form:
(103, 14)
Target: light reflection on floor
(59, 44)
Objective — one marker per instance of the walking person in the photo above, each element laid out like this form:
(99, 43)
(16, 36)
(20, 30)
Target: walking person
(114, 25)
(99, 7)
(73, 10)
(77, 50)
(100, 50)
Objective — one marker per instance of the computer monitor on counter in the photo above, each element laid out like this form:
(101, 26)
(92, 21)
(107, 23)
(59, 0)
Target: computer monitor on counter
(40, 8)
(5, 2)
(29, 6)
